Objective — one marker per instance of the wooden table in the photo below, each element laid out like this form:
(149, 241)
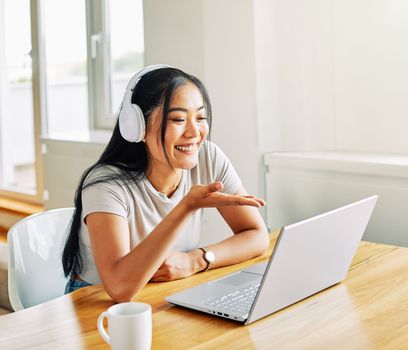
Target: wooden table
(369, 310)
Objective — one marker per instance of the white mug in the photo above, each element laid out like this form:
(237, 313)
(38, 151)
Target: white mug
(129, 326)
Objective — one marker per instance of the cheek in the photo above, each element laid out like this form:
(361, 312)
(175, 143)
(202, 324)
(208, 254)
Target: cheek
(154, 146)
(204, 130)
(172, 134)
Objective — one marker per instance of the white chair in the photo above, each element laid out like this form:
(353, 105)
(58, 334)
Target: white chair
(35, 247)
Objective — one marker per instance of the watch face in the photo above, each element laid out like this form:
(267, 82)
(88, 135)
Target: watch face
(209, 256)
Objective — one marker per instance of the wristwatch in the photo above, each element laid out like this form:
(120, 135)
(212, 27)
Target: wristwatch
(209, 257)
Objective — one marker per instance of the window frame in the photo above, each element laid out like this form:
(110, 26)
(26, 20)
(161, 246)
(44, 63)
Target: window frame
(99, 64)
(39, 109)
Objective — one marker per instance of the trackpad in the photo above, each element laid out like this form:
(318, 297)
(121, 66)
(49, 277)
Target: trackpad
(240, 278)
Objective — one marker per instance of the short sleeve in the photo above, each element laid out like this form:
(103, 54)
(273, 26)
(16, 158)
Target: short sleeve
(107, 196)
(221, 168)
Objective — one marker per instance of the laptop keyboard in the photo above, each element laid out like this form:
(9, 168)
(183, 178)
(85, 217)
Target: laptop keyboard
(239, 301)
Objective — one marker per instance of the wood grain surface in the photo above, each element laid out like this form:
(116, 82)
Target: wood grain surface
(369, 310)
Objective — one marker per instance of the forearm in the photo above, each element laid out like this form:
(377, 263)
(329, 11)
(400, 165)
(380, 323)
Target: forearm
(240, 247)
(133, 271)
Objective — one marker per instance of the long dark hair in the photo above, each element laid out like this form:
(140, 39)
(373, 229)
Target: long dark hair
(128, 161)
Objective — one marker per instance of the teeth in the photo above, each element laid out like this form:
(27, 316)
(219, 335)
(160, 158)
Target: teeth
(189, 148)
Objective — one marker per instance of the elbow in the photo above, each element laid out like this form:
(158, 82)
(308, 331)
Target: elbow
(120, 295)
(120, 291)
(120, 299)
(119, 285)
(263, 241)
(262, 249)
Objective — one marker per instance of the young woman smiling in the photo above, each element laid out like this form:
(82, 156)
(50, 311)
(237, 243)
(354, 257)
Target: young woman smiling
(139, 208)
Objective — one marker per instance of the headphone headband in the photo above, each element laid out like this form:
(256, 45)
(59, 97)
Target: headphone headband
(138, 75)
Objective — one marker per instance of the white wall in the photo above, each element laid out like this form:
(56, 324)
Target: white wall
(174, 34)
(371, 75)
(294, 74)
(332, 74)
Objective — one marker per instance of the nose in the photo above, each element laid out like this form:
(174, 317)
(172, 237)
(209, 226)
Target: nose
(192, 129)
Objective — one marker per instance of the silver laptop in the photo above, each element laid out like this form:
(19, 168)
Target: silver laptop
(309, 256)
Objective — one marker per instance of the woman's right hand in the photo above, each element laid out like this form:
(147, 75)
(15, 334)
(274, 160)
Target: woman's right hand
(208, 196)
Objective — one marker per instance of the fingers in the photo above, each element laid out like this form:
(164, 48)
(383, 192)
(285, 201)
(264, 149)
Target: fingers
(160, 276)
(260, 200)
(226, 200)
(244, 200)
(209, 196)
(214, 187)
(253, 202)
(158, 279)
(157, 274)
(170, 269)
(165, 276)
(161, 279)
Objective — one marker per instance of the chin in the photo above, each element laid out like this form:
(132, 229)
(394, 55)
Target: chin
(187, 165)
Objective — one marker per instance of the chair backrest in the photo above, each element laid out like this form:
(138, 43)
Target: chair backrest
(35, 247)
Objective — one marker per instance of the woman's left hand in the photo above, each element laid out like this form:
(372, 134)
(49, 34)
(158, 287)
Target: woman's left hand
(176, 266)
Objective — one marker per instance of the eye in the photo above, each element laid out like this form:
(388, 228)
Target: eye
(177, 120)
(202, 118)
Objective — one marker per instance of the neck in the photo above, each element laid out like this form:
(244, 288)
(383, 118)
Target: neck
(165, 183)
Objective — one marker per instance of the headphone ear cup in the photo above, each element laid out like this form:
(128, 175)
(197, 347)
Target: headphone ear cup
(131, 119)
(131, 122)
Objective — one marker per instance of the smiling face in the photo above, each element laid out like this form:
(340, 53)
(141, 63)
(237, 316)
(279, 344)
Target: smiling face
(186, 129)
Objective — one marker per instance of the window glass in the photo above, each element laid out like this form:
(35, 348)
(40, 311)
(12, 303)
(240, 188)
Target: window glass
(66, 66)
(126, 45)
(17, 150)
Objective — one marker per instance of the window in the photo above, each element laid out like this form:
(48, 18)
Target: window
(64, 31)
(63, 72)
(116, 49)
(17, 146)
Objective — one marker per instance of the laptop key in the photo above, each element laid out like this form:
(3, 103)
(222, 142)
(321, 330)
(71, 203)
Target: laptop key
(239, 301)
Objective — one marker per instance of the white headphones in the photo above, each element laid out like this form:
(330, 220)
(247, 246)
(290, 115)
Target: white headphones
(131, 120)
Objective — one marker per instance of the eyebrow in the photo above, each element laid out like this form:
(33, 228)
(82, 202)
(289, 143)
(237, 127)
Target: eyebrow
(180, 109)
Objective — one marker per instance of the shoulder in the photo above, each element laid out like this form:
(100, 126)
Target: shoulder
(104, 169)
(211, 162)
(210, 150)
(106, 189)
(104, 173)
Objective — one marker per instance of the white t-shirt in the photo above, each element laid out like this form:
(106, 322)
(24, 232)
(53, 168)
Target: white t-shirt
(144, 207)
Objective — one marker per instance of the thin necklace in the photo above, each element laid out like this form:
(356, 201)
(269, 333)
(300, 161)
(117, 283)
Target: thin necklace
(173, 188)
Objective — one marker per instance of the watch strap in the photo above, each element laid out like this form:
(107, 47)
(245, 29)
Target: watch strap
(205, 249)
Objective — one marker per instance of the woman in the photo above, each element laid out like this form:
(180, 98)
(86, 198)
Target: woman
(138, 209)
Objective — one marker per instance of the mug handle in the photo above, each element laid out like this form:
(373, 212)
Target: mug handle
(101, 328)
